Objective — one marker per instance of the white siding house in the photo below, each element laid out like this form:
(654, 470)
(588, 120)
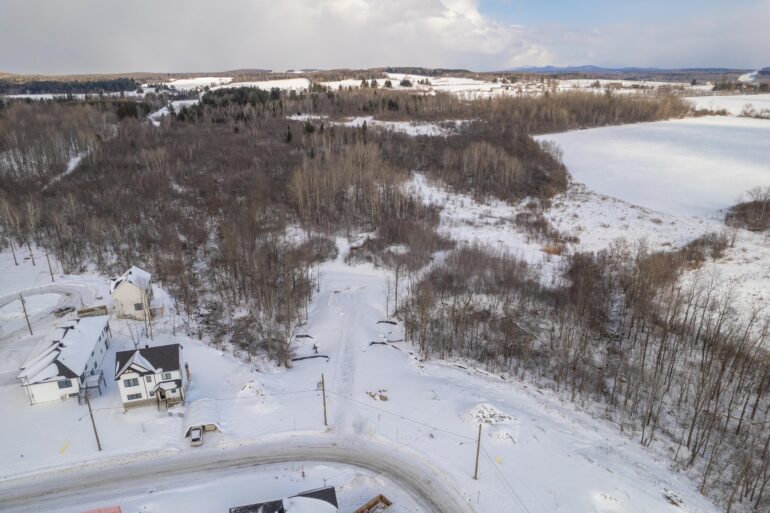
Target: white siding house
(152, 375)
(68, 358)
(132, 294)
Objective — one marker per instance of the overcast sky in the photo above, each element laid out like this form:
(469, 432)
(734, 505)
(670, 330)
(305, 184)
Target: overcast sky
(92, 36)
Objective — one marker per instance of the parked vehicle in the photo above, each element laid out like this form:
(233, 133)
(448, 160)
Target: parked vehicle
(64, 310)
(196, 436)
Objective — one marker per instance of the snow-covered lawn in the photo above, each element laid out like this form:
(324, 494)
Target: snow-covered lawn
(733, 104)
(694, 166)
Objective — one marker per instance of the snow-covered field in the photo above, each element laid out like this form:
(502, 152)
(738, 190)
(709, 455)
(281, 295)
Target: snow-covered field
(694, 166)
(733, 104)
(668, 183)
(191, 84)
(287, 84)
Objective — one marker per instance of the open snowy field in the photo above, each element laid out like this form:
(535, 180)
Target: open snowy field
(286, 84)
(694, 166)
(733, 104)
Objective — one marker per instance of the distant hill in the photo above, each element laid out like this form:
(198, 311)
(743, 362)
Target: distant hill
(598, 70)
(423, 71)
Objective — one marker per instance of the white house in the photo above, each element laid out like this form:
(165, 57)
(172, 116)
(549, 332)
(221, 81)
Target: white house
(67, 361)
(152, 375)
(132, 294)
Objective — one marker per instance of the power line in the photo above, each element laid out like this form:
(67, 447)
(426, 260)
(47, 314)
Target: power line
(436, 428)
(507, 483)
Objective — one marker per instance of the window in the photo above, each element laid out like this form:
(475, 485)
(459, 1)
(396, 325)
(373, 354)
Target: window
(131, 382)
(166, 375)
(137, 306)
(131, 397)
(65, 383)
(148, 379)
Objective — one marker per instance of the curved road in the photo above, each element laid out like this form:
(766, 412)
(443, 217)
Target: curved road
(96, 481)
(72, 295)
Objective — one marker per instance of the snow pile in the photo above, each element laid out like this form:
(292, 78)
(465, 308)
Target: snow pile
(487, 414)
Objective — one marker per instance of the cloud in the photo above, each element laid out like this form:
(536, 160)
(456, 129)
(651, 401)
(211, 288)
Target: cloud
(93, 35)
(730, 36)
(51, 36)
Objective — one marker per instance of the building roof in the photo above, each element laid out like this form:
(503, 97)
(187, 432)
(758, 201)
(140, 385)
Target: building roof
(65, 353)
(321, 500)
(148, 360)
(135, 276)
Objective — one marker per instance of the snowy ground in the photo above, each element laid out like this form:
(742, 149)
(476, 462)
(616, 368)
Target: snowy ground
(197, 83)
(733, 104)
(413, 128)
(694, 166)
(377, 392)
(669, 182)
(286, 84)
(156, 116)
(354, 487)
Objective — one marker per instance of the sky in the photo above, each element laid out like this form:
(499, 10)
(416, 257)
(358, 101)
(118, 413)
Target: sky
(102, 36)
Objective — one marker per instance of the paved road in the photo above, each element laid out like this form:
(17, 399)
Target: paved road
(106, 482)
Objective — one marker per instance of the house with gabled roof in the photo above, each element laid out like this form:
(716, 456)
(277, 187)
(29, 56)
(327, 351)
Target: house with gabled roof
(151, 375)
(68, 361)
(321, 500)
(132, 294)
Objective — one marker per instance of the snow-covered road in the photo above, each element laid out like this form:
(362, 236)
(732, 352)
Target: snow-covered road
(38, 492)
(71, 295)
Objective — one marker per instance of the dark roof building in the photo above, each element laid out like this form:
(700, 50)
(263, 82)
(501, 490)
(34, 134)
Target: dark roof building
(326, 497)
(149, 360)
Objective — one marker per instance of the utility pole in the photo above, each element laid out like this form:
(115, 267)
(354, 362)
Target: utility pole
(50, 270)
(136, 345)
(24, 307)
(93, 422)
(478, 450)
(323, 394)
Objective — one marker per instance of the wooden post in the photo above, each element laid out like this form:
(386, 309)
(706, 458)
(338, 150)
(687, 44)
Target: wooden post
(323, 393)
(93, 422)
(478, 450)
(24, 307)
(50, 270)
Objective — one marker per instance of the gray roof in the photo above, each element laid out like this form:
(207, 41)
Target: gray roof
(161, 358)
(328, 494)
